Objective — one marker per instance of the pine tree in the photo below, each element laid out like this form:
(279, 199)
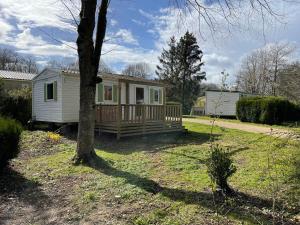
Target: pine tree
(181, 68)
(168, 70)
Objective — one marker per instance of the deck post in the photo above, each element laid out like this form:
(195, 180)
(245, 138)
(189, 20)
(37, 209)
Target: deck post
(144, 118)
(127, 107)
(164, 107)
(119, 114)
(180, 115)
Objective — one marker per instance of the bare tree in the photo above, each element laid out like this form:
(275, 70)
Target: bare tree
(10, 60)
(63, 65)
(253, 75)
(138, 70)
(259, 70)
(89, 52)
(279, 54)
(289, 82)
(103, 67)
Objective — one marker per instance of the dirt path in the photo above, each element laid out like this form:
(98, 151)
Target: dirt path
(248, 128)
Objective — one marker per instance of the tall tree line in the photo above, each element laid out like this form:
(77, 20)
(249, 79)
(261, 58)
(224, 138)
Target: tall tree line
(289, 82)
(259, 71)
(11, 60)
(141, 70)
(180, 67)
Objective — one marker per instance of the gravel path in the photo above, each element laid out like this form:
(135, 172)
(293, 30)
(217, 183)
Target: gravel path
(248, 128)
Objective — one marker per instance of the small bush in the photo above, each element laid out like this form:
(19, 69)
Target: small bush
(220, 167)
(53, 137)
(10, 131)
(16, 104)
(267, 110)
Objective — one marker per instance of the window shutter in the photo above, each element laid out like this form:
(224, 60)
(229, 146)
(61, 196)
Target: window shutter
(45, 92)
(100, 92)
(160, 96)
(55, 90)
(151, 95)
(115, 93)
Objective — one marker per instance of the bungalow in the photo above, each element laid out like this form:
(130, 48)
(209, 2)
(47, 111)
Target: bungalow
(222, 102)
(125, 105)
(16, 80)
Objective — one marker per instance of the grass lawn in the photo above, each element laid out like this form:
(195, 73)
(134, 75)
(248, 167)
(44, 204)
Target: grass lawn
(158, 179)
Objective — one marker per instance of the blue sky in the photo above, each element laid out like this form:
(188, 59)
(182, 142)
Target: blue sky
(138, 30)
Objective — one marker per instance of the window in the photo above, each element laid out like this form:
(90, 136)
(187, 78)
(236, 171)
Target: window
(156, 96)
(50, 94)
(108, 93)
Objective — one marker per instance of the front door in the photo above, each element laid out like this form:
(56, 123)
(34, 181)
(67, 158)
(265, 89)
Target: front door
(139, 99)
(139, 95)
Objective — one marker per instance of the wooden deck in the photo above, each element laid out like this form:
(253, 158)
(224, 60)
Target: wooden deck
(128, 120)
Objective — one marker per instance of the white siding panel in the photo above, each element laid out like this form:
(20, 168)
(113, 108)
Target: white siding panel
(123, 93)
(221, 103)
(70, 100)
(47, 111)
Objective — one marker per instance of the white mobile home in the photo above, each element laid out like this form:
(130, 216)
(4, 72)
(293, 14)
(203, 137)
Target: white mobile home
(120, 99)
(222, 103)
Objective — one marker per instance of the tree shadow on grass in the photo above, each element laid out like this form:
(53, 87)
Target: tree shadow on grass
(205, 160)
(150, 143)
(240, 206)
(14, 185)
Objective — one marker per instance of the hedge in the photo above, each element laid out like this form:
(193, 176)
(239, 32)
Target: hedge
(267, 110)
(10, 131)
(17, 105)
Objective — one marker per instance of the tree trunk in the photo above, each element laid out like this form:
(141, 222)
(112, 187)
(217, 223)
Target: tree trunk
(89, 57)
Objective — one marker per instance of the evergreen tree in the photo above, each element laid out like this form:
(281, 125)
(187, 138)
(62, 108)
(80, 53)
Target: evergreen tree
(168, 70)
(181, 68)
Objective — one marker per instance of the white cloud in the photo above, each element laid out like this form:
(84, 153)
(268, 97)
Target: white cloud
(138, 22)
(122, 54)
(113, 22)
(5, 28)
(126, 36)
(50, 13)
(26, 43)
(224, 48)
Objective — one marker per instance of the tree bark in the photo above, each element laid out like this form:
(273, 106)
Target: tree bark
(89, 57)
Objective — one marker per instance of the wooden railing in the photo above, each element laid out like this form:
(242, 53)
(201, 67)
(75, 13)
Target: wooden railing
(129, 120)
(137, 113)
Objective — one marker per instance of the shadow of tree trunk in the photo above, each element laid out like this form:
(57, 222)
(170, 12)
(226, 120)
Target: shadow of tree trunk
(250, 208)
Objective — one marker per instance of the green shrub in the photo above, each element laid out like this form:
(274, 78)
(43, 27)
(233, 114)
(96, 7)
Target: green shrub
(10, 131)
(16, 104)
(220, 167)
(267, 110)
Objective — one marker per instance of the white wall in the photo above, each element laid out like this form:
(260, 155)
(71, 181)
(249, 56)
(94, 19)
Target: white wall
(70, 99)
(66, 108)
(221, 103)
(50, 110)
